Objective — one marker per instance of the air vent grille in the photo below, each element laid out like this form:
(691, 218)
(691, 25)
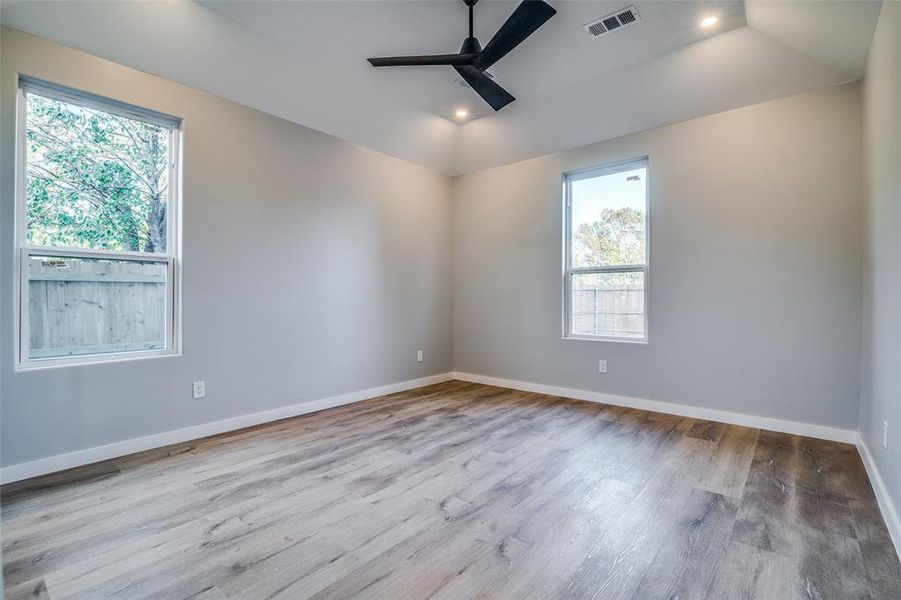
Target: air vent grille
(618, 20)
(596, 29)
(627, 16)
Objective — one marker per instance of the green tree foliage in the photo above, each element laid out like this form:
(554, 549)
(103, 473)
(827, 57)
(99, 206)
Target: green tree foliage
(617, 237)
(94, 179)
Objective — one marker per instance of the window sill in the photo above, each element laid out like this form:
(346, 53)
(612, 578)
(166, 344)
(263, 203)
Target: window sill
(92, 359)
(598, 338)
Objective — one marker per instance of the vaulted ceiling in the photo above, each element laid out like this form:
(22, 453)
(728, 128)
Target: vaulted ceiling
(304, 61)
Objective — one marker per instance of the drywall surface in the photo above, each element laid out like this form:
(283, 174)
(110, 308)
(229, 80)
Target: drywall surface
(311, 268)
(881, 389)
(755, 265)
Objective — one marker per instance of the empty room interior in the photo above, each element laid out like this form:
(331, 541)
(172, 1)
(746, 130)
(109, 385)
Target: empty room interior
(409, 299)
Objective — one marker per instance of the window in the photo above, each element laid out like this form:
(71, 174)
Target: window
(606, 252)
(97, 209)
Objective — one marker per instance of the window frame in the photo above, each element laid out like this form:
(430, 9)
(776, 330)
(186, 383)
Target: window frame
(568, 178)
(23, 251)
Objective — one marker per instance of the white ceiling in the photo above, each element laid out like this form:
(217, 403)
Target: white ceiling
(304, 61)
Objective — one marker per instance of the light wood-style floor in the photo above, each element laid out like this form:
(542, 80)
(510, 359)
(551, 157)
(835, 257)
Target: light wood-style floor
(459, 491)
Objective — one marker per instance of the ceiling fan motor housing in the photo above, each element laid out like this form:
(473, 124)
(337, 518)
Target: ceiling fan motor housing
(470, 45)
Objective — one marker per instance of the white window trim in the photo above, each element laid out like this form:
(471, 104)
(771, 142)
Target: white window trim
(172, 256)
(568, 270)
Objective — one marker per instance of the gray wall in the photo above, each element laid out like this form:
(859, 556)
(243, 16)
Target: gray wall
(755, 265)
(881, 390)
(312, 267)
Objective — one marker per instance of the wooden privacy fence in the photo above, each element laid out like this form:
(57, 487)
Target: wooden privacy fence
(616, 309)
(89, 306)
(86, 306)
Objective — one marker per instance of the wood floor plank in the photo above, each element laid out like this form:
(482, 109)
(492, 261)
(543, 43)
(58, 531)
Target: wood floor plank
(707, 430)
(693, 552)
(766, 517)
(728, 470)
(28, 590)
(459, 490)
(749, 573)
(821, 488)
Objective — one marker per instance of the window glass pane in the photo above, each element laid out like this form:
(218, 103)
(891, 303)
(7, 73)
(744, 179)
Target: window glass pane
(608, 219)
(94, 179)
(80, 306)
(608, 304)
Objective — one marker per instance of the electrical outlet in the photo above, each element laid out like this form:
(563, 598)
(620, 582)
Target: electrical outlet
(419, 356)
(199, 389)
(885, 434)
(602, 366)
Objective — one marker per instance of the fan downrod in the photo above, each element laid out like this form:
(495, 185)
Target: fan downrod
(470, 44)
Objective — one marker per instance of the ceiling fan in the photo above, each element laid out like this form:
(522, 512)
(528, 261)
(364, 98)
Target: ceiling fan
(472, 60)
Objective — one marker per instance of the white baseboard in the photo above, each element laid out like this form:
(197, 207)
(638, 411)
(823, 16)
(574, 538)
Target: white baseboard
(847, 436)
(87, 456)
(889, 512)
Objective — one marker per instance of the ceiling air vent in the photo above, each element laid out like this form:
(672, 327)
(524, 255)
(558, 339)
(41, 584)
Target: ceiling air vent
(618, 20)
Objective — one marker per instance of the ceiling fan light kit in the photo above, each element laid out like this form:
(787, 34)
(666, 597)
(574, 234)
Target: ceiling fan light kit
(472, 60)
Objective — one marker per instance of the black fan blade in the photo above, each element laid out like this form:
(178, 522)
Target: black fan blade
(525, 20)
(492, 93)
(424, 60)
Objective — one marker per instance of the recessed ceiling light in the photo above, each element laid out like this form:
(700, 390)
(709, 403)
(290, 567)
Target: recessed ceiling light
(461, 113)
(708, 22)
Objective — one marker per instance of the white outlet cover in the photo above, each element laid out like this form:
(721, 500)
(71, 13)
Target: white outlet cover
(602, 366)
(419, 356)
(199, 389)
